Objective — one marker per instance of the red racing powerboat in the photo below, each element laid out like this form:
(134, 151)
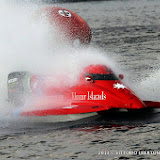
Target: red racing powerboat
(96, 91)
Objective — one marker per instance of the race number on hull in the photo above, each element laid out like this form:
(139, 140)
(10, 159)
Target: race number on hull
(64, 13)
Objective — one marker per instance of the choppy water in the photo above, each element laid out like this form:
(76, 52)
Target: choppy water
(129, 32)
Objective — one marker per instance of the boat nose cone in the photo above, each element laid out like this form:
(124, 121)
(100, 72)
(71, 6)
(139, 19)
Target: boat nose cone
(127, 97)
(136, 103)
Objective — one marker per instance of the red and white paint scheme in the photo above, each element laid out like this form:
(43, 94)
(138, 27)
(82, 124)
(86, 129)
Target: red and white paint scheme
(73, 27)
(97, 90)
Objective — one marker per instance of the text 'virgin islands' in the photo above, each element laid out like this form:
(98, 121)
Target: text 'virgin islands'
(88, 96)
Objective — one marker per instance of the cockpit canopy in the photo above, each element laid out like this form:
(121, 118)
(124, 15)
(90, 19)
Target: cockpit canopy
(98, 72)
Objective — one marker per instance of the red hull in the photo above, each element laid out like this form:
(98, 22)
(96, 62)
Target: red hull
(90, 94)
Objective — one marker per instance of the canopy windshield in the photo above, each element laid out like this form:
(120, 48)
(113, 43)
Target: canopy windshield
(103, 76)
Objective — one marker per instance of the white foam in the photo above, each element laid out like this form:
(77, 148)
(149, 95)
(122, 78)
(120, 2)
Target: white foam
(27, 44)
(148, 89)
